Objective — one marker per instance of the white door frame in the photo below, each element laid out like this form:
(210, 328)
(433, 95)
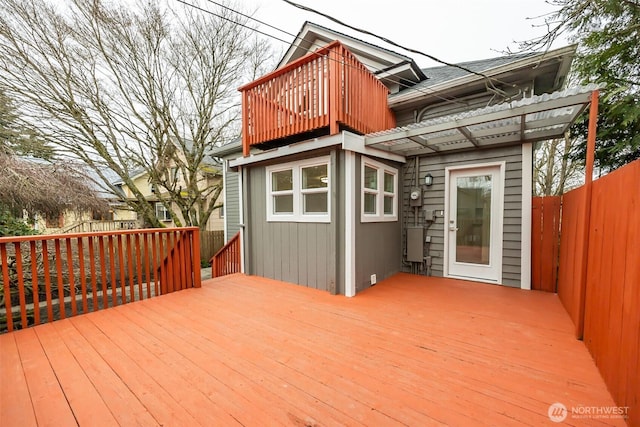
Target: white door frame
(499, 210)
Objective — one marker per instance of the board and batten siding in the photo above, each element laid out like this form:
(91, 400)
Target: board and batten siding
(231, 203)
(434, 197)
(294, 252)
(378, 244)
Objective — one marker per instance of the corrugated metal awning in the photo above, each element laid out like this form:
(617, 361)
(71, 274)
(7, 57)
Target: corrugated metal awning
(530, 119)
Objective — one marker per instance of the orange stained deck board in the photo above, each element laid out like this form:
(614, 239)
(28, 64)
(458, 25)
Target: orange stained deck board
(244, 350)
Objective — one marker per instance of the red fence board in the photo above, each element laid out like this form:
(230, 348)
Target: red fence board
(545, 242)
(610, 311)
(572, 244)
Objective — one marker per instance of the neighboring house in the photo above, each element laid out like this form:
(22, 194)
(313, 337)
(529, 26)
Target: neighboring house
(355, 164)
(208, 176)
(119, 216)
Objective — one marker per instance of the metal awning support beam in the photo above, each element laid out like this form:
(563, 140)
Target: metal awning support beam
(424, 144)
(464, 131)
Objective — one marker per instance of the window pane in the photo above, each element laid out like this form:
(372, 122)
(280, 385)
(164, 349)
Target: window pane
(315, 177)
(315, 203)
(282, 180)
(283, 204)
(388, 205)
(370, 178)
(369, 203)
(473, 219)
(388, 182)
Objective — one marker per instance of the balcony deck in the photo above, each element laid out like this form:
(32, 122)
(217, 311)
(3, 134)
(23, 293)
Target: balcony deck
(251, 351)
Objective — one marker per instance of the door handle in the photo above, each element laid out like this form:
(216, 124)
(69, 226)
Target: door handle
(452, 226)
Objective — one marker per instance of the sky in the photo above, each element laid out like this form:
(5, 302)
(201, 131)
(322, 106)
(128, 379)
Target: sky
(452, 30)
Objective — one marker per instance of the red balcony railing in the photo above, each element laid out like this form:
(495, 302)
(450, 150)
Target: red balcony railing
(328, 88)
(228, 259)
(50, 277)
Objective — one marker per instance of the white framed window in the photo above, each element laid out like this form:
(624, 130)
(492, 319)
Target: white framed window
(299, 191)
(162, 213)
(379, 192)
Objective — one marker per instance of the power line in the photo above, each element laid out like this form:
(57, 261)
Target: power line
(231, 20)
(391, 42)
(425, 91)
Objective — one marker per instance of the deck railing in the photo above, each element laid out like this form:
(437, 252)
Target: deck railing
(324, 89)
(228, 259)
(101, 225)
(49, 277)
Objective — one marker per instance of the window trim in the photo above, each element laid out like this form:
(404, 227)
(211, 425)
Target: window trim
(379, 192)
(298, 192)
(167, 215)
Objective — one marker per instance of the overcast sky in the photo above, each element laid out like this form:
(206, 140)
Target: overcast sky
(452, 30)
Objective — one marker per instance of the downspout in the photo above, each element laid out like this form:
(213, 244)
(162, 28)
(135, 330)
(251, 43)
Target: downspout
(243, 232)
(417, 184)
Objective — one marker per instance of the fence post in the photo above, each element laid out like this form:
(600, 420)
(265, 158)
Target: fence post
(195, 250)
(588, 182)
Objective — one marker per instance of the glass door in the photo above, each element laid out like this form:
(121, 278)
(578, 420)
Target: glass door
(474, 229)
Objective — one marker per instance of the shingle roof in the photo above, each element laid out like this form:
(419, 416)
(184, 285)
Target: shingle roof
(445, 73)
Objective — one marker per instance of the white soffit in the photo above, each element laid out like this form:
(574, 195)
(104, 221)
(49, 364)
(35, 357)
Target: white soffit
(530, 119)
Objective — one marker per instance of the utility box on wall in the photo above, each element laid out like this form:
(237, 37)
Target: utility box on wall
(415, 239)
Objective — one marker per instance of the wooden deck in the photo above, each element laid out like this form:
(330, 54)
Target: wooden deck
(251, 351)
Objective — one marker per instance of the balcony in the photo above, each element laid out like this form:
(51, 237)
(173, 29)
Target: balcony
(322, 93)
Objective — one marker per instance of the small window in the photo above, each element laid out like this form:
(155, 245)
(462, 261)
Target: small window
(379, 192)
(162, 213)
(299, 191)
(55, 222)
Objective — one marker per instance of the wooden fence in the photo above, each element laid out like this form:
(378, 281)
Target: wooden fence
(545, 242)
(599, 278)
(210, 243)
(49, 277)
(573, 244)
(101, 225)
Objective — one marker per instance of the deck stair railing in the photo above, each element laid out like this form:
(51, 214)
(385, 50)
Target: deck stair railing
(49, 277)
(228, 259)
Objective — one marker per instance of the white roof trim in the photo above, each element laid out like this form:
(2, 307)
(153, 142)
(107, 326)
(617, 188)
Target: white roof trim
(530, 119)
(346, 140)
(287, 150)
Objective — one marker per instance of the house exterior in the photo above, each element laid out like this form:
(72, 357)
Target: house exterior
(355, 164)
(119, 215)
(209, 176)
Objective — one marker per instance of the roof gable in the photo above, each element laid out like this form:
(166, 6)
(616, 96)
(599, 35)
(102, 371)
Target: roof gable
(389, 66)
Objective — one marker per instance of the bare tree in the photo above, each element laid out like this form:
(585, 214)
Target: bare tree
(131, 88)
(45, 188)
(554, 173)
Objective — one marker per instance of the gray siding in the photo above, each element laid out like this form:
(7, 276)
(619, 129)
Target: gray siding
(232, 203)
(301, 253)
(378, 244)
(434, 199)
